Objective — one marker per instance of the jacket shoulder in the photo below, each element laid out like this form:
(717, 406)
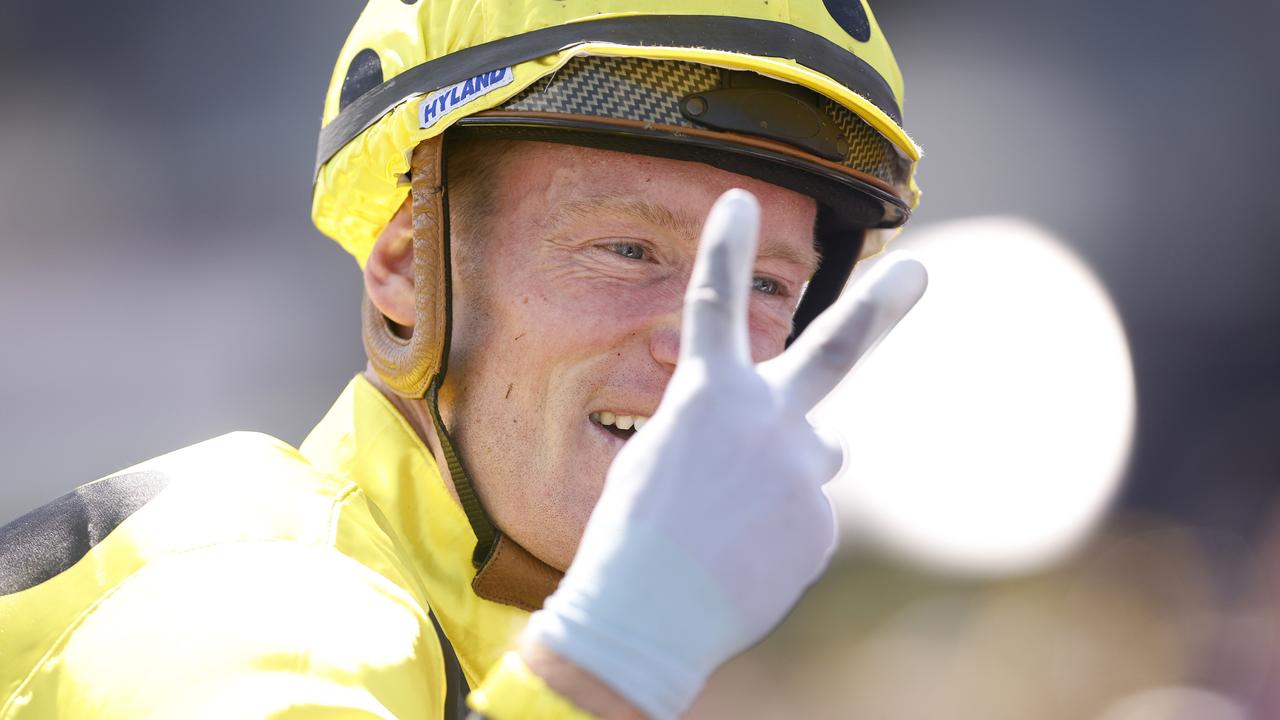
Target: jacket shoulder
(232, 485)
(242, 486)
(250, 629)
(60, 560)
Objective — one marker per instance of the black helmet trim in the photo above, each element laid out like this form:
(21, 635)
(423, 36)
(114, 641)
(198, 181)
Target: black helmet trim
(706, 32)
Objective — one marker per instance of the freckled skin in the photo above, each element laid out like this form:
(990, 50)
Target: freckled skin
(556, 321)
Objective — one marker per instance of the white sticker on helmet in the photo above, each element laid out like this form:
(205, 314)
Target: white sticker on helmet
(441, 102)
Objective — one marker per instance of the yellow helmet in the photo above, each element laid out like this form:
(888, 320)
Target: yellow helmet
(801, 93)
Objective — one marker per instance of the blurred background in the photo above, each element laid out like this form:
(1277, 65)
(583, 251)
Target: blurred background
(160, 283)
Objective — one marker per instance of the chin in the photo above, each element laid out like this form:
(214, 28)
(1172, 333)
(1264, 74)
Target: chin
(548, 508)
(562, 533)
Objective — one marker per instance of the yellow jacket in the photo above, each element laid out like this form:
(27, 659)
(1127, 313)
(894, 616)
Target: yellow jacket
(241, 578)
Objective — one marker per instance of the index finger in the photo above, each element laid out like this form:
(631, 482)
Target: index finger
(715, 304)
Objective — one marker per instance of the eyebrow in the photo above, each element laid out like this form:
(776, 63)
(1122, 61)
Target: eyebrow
(681, 223)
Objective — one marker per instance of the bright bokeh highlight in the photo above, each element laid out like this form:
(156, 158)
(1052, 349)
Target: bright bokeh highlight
(989, 432)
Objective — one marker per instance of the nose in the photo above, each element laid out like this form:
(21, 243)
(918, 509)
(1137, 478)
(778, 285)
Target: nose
(663, 321)
(664, 342)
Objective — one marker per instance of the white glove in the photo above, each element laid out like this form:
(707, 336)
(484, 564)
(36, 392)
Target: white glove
(713, 521)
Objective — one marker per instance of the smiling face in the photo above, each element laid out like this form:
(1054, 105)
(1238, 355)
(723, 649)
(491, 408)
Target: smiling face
(567, 298)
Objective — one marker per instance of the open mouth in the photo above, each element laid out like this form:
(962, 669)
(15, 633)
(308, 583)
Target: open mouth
(620, 426)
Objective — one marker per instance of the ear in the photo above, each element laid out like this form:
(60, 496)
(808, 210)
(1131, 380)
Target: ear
(388, 273)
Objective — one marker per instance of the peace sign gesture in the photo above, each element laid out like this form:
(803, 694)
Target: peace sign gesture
(713, 521)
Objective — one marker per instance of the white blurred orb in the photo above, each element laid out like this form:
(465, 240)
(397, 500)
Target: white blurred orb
(989, 432)
(1175, 703)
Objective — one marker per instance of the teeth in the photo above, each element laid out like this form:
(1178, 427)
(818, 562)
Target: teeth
(622, 422)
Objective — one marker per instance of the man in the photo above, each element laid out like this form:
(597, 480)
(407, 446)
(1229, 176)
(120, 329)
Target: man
(574, 406)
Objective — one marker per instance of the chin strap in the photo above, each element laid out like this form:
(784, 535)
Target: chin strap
(505, 572)
(481, 525)
(414, 367)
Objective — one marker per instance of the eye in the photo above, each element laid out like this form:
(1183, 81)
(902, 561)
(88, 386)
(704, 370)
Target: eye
(633, 251)
(766, 286)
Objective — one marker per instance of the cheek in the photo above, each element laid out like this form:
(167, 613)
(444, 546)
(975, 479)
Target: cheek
(768, 331)
(540, 336)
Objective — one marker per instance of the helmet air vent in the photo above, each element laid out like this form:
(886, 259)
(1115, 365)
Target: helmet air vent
(768, 108)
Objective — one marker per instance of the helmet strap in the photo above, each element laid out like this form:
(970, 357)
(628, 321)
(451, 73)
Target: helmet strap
(414, 367)
(409, 365)
(481, 525)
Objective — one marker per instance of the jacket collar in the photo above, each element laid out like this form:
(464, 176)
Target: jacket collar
(364, 439)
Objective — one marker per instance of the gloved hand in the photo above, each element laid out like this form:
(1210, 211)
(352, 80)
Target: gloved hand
(713, 521)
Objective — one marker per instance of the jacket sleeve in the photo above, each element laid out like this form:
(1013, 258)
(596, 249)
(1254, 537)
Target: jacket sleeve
(248, 630)
(511, 692)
